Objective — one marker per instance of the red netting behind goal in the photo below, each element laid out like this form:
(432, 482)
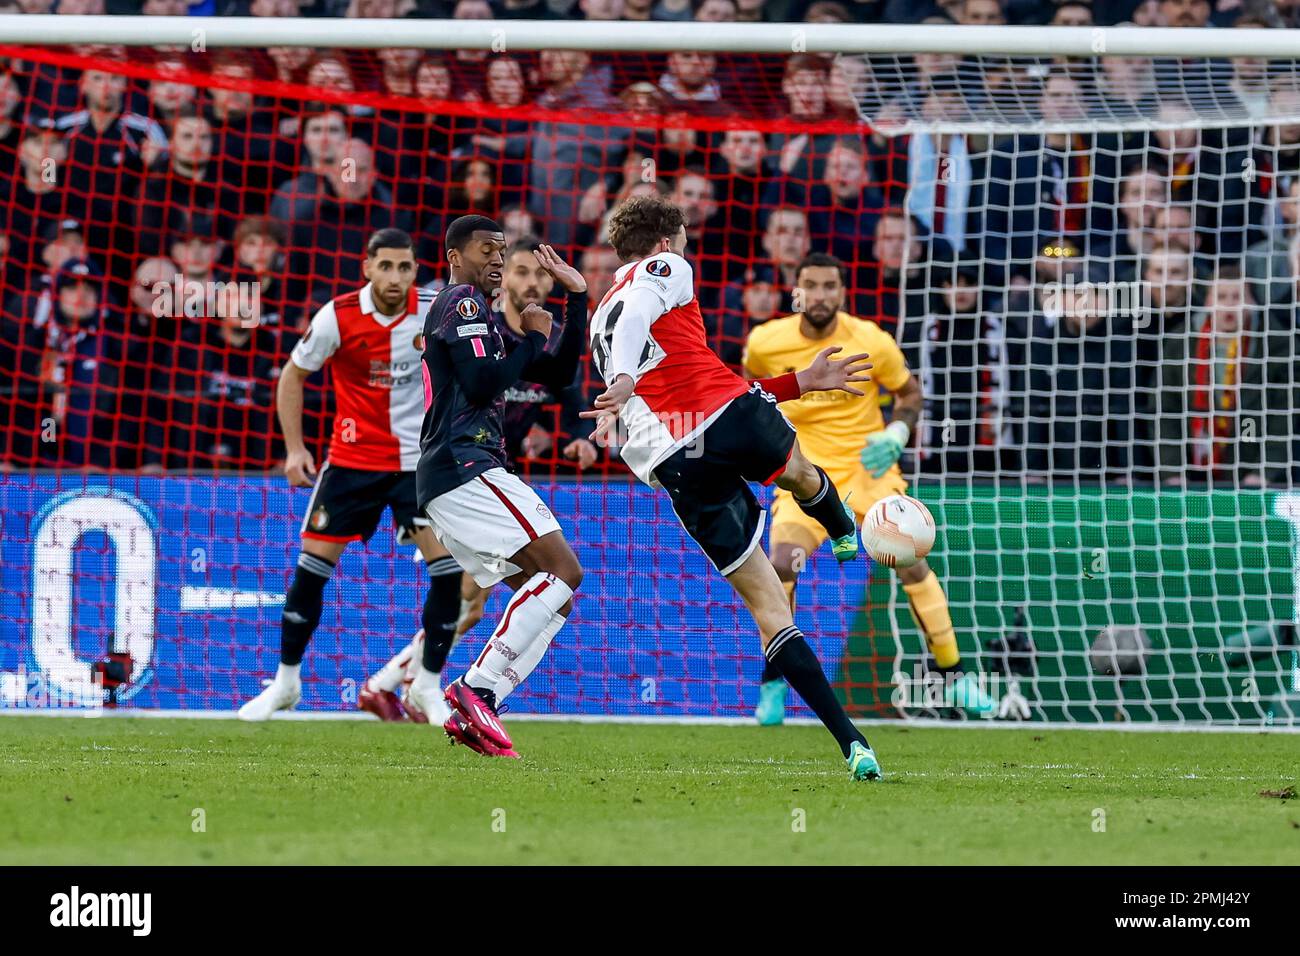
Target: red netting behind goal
(154, 203)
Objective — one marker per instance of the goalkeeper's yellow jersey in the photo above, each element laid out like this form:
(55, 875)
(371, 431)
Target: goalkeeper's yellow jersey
(832, 426)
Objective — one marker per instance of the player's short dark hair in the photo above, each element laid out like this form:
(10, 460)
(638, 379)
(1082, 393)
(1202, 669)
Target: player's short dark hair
(523, 244)
(639, 223)
(462, 230)
(389, 239)
(822, 260)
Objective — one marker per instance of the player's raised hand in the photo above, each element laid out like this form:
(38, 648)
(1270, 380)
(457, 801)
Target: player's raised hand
(536, 319)
(564, 273)
(299, 468)
(826, 374)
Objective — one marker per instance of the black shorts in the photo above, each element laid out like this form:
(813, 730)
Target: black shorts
(348, 503)
(708, 481)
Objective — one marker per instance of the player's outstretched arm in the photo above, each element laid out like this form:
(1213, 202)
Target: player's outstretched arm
(826, 374)
(299, 467)
(823, 375)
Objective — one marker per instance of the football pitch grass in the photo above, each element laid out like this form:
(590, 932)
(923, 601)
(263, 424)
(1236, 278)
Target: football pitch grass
(170, 791)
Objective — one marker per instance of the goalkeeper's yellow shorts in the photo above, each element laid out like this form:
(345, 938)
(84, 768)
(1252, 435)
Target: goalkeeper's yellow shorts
(791, 526)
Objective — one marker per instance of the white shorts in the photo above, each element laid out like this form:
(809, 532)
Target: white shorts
(487, 521)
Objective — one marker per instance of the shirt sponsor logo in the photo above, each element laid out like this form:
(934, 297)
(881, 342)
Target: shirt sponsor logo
(467, 308)
(468, 331)
(658, 267)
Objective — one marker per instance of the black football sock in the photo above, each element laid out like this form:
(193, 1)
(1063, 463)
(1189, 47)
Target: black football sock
(826, 508)
(441, 610)
(302, 606)
(771, 672)
(797, 662)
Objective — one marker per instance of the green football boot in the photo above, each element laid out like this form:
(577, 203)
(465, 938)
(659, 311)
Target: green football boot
(770, 711)
(966, 695)
(863, 764)
(846, 548)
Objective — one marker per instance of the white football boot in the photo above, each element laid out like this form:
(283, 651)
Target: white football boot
(280, 694)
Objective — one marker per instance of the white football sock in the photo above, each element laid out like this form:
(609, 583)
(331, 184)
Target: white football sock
(524, 665)
(289, 674)
(527, 617)
(389, 677)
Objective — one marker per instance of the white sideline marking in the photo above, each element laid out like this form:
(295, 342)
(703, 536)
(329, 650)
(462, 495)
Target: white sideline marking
(225, 599)
(918, 722)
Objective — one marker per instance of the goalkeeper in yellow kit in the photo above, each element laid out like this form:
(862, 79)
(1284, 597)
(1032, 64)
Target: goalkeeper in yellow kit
(847, 436)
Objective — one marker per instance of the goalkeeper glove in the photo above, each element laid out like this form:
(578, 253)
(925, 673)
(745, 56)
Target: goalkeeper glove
(884, 448)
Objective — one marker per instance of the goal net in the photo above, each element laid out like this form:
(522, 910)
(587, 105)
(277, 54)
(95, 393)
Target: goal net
(1089, 261)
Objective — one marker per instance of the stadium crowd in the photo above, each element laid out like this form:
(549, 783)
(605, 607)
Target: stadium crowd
(166, 238)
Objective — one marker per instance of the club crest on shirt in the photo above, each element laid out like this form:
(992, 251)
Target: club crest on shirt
(542, 510)
(320, 519)
(467, 308)
(658, 267)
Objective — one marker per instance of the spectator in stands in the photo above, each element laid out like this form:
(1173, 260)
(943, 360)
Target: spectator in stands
(517, 223)
(1071, 360)
(957, 352)
(1276, 157)
(751, 300)
(397, 66)
(804, 86)
(714, 11)
(166, 97)
(567, 158)
(690, 81)
(189, 179)
(1072, 13)
(473, 193)
(530, 432)
(897, 248)
(981, 13)
(843, 207)
(739, 170)
(1175, 229)
(11, 127)
(290, 61)
(1248, 89)
(1185, 13)
(80, 370)
(194, 244)
(152, 334)
(36, 198)
(1205, 169)
(1167, 275)
(936, 174)
(692, 190)
(1228, 392)
(252, 159)
(1126, 87)
(413, 152)
(505, 140)
(108, 152)
(224, 387)
(786, 240)
(1143, 191)
(1268, 262)
(598, 264)
(1056, 184)
(331, 214)
(260, 246)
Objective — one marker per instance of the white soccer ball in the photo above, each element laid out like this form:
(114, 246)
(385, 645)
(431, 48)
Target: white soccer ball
(898, 531)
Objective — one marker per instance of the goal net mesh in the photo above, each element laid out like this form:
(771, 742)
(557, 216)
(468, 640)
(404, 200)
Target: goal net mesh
(1089, 264)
